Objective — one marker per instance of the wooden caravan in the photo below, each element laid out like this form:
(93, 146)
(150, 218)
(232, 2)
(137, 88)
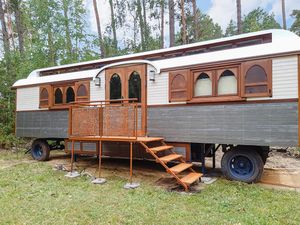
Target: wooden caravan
(239, 94)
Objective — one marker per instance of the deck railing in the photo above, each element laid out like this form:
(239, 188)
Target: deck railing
(110, 118)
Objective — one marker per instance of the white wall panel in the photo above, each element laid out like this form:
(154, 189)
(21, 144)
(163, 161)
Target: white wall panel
(98, 93)
(28, 98)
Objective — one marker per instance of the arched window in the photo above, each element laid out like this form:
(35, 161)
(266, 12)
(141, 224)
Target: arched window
(81, 91)
(58, 96)
(115, 87)
(178, 86)
(227, 83)
(257, 78)
(70, 95)
(134, 86)
(44, 97)
(203, 85)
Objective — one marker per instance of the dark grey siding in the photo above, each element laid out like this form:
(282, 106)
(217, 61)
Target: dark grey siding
(42, 124)
(269, 124)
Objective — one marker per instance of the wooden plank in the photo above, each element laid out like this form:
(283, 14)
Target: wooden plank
(191, 178)
(169, 158)
(161, 148)
(181, 167)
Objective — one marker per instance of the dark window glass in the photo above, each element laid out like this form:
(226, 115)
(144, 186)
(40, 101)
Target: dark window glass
(70, 95)
(81, 91)
(135, 86)
(44, 94)
(256, 74)
(257, 89)
(58, 96)
(227, 73)
(203, 76)
(115, 87)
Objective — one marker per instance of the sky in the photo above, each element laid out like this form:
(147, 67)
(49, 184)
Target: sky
(222, 11)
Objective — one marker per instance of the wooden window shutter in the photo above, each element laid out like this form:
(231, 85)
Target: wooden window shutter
(45, 96)
(179, 86)
(82, 91)
(257, 78)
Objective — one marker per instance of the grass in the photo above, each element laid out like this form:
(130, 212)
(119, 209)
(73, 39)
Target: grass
(35, 194)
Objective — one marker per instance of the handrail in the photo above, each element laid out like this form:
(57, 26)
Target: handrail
(105, 105)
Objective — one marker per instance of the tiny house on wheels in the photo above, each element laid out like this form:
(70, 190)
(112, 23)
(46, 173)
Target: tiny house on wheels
(238, 94)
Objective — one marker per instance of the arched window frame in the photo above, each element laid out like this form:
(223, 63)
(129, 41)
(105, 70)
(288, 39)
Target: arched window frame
(211, 76)
(129, 79)
(86, 97)
(45, 102)
(183, 94)
(63, 95)
(235, 71)
(66, 93)
(267, 66)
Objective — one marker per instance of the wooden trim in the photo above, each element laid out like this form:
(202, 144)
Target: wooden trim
(187, 76)
(267, 66)
(86, 84)
(49, 99)
(298, 100)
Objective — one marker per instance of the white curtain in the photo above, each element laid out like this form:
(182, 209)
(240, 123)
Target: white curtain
(203, 87)
(227, 85)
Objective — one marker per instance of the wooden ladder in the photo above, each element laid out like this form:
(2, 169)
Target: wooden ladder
(176, 171)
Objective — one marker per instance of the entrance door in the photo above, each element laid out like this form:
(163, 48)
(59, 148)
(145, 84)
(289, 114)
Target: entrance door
(129, 82)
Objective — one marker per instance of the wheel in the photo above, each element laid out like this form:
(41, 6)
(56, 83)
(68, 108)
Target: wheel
(40, 150)
(242, 165)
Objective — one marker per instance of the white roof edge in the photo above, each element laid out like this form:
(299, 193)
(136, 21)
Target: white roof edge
(273, 31)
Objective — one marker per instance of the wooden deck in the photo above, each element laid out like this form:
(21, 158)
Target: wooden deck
(116, 138)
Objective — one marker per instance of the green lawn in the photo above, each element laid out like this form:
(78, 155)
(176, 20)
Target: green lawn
(33, 193)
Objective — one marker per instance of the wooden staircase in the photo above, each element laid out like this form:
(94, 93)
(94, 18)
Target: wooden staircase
(179, 171)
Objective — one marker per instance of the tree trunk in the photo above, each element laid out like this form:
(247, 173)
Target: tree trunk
(162, 27)
(239, 16)
(171, 23)
(146, 31)
(51, 57)
(283, 14)
(67, 28)
(102, 52)
(19, 26)
(4, 32)
(141, 22)
(183, 21)
(196, 20)
(113, 24)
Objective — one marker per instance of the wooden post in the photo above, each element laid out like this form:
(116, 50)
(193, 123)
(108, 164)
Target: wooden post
(100, 157)
(72, 156)
(130, 180)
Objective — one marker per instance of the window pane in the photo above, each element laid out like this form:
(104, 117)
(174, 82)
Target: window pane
(115, 87)
(203, 85)
(135, 86)
(70, 95)
(257, 89)
(44, 94)
(81, 91)
(227, 83)
(256, 74)
(58, 96)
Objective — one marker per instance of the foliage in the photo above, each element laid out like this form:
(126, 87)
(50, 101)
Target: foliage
(296, 25)
(259, 19)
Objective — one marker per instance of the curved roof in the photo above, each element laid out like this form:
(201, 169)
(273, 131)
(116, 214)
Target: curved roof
(282, 42)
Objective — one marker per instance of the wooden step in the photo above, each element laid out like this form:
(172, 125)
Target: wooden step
(181, 167)
(169, 158)
(149, 139)
(191, 178)
(161, 148)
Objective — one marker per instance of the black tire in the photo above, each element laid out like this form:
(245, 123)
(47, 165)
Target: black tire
(40, 150)
(242, 165)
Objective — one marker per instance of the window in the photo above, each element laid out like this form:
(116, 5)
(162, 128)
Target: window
(134, 86)
(82, 91)
(70, 95)
(256, 80)
(45, 96)
(179, 86)
(115, 87)
(58, 96)
(227, 83)
(203, 84)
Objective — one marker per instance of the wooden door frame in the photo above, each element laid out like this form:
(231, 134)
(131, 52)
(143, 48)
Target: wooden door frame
(124, 72)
